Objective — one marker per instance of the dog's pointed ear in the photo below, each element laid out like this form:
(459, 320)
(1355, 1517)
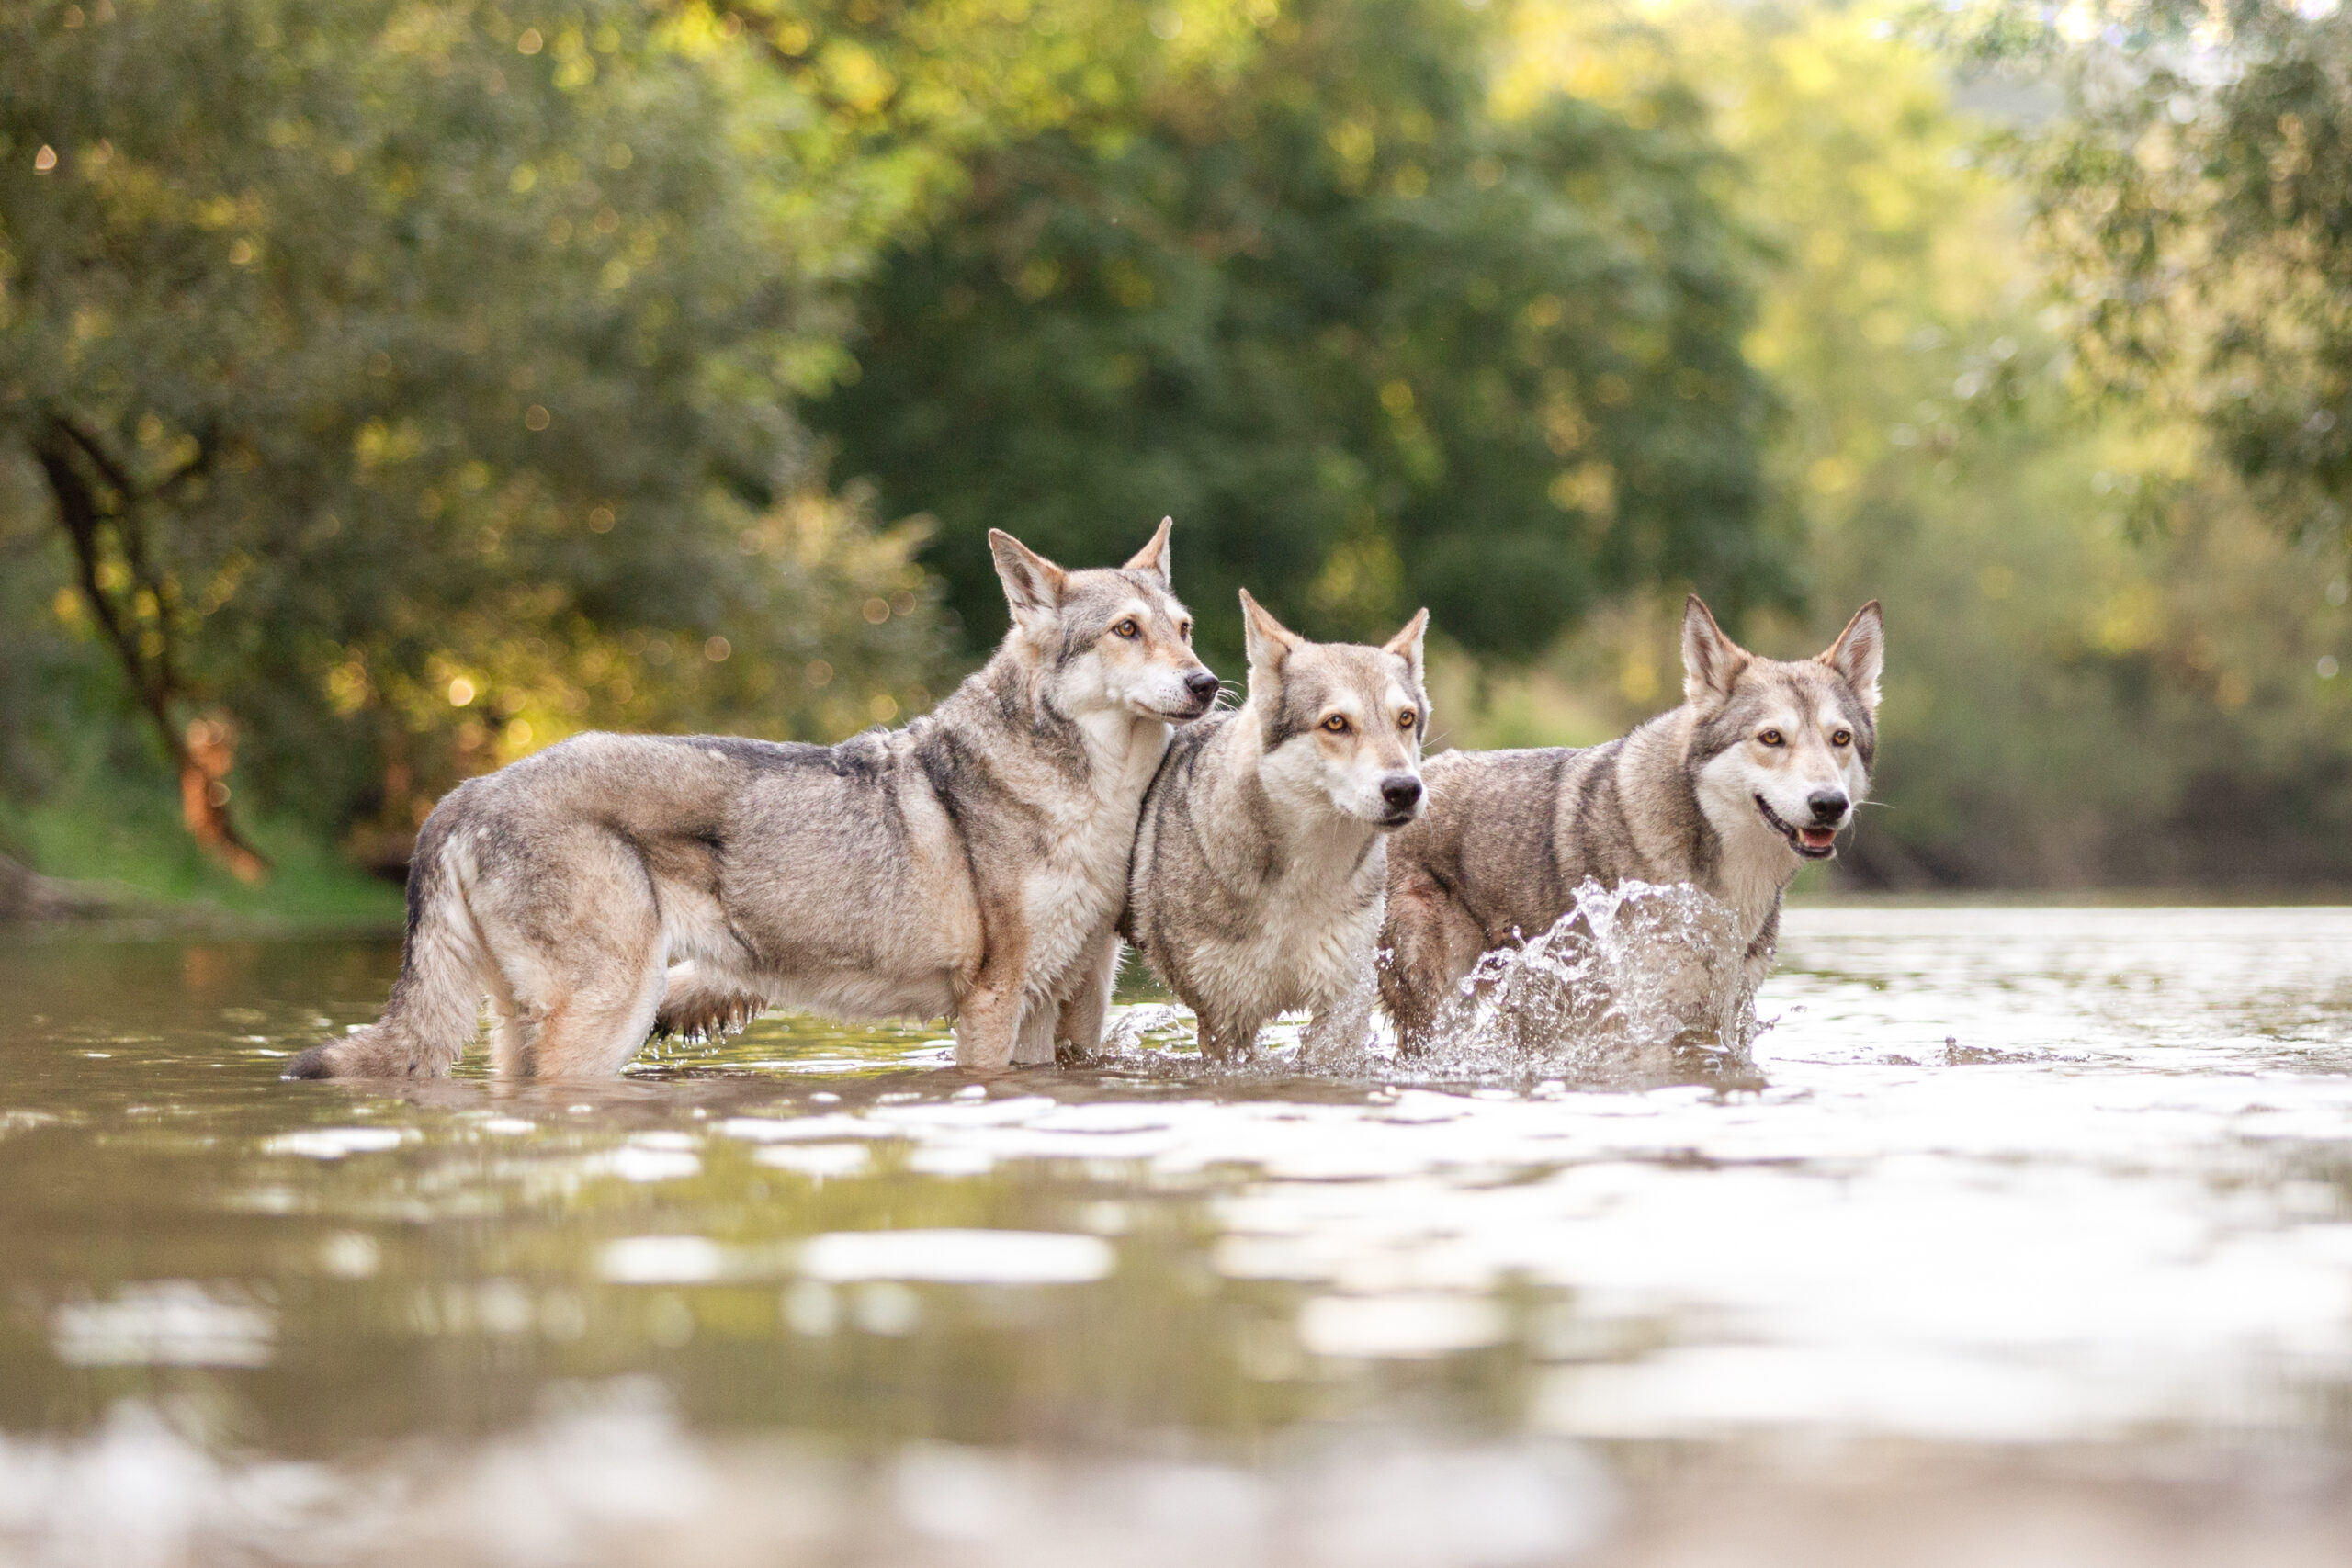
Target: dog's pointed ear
(1711, 661)
(1407, 644)
(1860, 653)
(1033, 585)
(1153, 557)
(1268, 641)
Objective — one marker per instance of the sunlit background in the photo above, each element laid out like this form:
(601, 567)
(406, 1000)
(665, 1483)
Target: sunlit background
(390, 389)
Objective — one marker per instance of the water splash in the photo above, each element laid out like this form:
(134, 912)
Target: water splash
(1637, 982)
(1142, 1027)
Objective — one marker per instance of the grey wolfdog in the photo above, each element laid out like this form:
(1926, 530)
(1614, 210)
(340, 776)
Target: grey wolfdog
(1753, 775)
(971, 865)
(1259, 865)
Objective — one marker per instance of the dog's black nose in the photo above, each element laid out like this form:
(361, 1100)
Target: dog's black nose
(1828, 804)
(1400, 791)
(1202, 684)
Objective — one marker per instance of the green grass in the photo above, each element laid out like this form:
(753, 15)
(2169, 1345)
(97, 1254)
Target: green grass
(130, 840)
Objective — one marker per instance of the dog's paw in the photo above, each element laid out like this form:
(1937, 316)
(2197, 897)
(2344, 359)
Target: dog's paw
(706, 1016)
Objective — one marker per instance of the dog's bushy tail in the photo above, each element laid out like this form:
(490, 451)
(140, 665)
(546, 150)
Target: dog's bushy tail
(435, 1004)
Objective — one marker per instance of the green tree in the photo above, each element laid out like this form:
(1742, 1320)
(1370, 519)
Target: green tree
(400, 371)
(2106, 665)
(2196, 201)
(1373, 347)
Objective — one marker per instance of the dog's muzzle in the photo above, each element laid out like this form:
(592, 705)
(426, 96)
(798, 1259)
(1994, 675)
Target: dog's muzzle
(1200, 696)
(1817, 839)
(1400, 796)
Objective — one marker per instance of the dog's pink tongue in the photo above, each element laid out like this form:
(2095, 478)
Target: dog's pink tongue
(1817, 838)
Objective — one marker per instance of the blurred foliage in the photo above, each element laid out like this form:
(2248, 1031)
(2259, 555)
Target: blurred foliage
(412, 384)
(1371, 346)
(2105, 666)
(389, 388)
(2196, 202)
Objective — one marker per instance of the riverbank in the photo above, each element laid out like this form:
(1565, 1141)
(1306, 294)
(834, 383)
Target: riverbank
(125, 859)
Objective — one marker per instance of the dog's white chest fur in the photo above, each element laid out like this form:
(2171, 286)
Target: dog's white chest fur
(1075, 890)
(1754, 866)
(1318, 916)
(1311, 949)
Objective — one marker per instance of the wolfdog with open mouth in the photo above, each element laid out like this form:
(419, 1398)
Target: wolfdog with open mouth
(971, 865)
(1259, 870)
(1752, 776)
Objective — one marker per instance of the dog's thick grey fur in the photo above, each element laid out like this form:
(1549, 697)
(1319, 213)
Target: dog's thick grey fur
(972, 864)
(1731, 793)
(1259, 871)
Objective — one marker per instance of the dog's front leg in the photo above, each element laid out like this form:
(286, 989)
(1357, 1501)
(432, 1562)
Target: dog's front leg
(988, 1026)
(1757, 962)
(1074, 1012)
(1080, 1022)
(987, 1021)
(1226, 1041)
(1033, 1045)
(1431, 944)
(1339, 1030)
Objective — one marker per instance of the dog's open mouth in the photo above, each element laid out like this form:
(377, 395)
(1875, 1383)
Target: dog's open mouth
(1814, 843)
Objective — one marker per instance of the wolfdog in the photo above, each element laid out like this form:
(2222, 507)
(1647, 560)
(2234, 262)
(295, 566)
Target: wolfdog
(1753, 775)
(971, 865)
(1260, 866)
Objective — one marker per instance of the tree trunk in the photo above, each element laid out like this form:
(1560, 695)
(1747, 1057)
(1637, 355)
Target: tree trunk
(200, 755)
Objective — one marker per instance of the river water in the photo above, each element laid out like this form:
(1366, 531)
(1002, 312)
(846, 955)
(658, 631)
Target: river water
(2019, 1237)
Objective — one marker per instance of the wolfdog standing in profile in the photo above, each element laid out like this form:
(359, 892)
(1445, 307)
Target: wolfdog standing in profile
(971, 865)
(1259, 865)
(1753, 775)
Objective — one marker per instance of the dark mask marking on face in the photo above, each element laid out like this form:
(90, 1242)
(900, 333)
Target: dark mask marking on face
(1298, 707)
(1857, 718)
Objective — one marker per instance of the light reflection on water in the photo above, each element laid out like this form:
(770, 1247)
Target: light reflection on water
(2043, 1205)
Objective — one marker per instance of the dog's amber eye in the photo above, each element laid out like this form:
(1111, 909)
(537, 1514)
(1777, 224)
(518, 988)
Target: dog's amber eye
(1184, 630)
(1843, 738)
(1128, 629)
(1771, 737)
(1407, 720)
(1337, 724)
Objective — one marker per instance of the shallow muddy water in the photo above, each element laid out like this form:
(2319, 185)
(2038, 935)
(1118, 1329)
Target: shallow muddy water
(2026, 1236)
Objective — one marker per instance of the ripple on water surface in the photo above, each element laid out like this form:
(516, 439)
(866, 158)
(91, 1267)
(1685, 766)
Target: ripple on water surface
(2001, 1213)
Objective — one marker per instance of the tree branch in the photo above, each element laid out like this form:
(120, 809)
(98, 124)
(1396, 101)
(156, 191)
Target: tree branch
(78, 512)
(99, 459)
(60, 449)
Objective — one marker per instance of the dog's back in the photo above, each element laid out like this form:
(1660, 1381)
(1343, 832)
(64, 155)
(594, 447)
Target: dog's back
(971, 865)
